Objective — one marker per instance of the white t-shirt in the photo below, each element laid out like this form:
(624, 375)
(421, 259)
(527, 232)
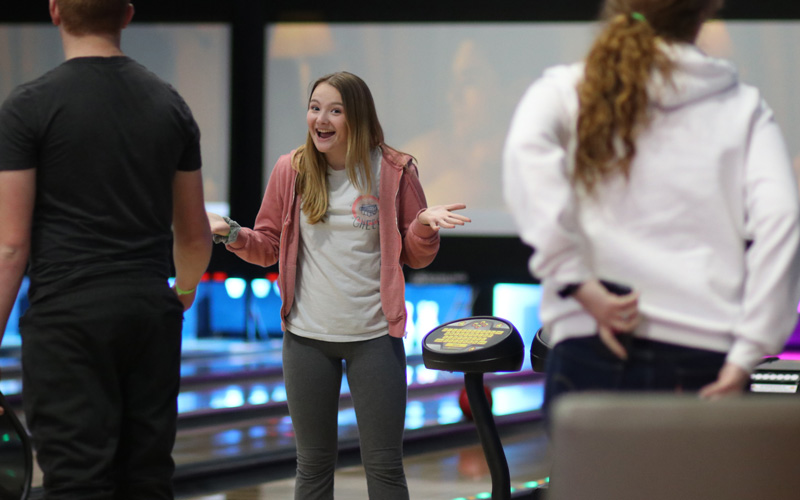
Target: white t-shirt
(337, 292)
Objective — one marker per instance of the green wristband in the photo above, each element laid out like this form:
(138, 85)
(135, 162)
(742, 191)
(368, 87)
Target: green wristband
(184, 292)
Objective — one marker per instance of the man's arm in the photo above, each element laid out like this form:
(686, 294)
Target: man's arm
(17, 195)
(192, 234)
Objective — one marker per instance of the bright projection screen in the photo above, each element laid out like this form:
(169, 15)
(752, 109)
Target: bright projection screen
(445, 93)
(194, 58)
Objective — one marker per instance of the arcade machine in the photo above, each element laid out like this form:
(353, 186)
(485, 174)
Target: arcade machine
(475, 346)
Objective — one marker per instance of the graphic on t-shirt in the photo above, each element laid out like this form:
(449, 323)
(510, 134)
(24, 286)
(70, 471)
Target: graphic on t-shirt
(365, 212)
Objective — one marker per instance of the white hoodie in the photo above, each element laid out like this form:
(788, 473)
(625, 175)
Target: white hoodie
(706, 228)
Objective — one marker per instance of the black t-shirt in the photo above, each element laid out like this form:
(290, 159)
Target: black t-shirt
(106, 137)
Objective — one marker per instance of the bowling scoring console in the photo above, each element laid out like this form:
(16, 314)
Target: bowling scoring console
(776, 376)
(477, 345)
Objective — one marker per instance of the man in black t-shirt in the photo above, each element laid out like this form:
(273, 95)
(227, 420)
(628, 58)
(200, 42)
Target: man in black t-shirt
(99, 176)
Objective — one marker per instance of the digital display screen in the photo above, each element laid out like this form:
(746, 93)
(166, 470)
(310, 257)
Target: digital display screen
(467, 336)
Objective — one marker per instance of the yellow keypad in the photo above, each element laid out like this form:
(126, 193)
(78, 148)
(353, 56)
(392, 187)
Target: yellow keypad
(460, 337)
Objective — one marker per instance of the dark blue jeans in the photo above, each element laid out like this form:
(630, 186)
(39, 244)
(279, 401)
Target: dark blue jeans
(586, 364)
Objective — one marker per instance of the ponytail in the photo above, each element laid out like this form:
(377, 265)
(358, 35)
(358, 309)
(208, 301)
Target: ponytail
(614, 99)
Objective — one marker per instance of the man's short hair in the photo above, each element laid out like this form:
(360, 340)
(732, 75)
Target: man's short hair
(85, 17)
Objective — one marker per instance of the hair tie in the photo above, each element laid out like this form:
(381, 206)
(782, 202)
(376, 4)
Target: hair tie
(638, 16)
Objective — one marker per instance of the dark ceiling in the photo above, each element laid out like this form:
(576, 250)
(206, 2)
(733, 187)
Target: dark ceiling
(371, 10)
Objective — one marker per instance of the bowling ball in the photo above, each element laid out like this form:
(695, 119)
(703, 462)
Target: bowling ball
(463, 401)
(472, 463)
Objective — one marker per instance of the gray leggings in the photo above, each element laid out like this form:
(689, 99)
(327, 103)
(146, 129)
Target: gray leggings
(376, 373)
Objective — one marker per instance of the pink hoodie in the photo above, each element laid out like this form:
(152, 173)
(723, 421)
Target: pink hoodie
(404, 240)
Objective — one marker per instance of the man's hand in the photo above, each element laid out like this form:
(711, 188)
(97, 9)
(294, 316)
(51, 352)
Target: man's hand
(218, 224)
(187, 299)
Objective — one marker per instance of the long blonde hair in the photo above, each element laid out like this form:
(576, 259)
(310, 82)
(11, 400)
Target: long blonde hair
(364, 135)
(613, 94)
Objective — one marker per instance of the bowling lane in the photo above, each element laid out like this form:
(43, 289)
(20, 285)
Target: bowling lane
(216, 358)
(226, 382)
(250, 450)
(457, 472)
(428, 413)
(247, 394)
(202, 362)
(233, 416)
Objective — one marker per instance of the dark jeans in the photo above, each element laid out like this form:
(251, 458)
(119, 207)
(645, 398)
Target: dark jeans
(101, 370)
(585, 364)
(376, 373)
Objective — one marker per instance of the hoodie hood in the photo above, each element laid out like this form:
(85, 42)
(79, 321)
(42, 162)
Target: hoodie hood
(695, 76)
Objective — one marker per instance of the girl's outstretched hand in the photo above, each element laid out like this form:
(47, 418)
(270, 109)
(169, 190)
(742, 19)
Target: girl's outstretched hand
(218, 224)
(442, 216)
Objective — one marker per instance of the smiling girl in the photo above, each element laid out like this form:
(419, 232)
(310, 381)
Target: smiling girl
(342, 215)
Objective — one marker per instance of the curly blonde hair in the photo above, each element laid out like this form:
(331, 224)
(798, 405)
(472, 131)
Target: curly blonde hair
(613, 95)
